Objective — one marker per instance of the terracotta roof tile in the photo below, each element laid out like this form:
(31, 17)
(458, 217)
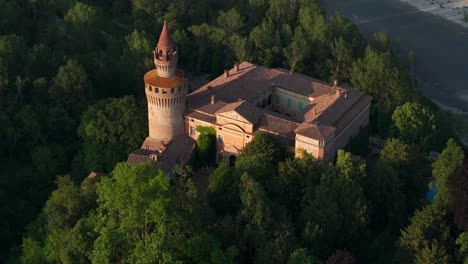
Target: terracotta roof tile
(200, 116)
(331, 108)
(248, 111)
(315, 131)
(165, 39)
(301, 84)
(278, 125)
(153, 79)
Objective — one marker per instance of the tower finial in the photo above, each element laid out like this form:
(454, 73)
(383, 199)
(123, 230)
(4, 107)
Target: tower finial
(165, 39)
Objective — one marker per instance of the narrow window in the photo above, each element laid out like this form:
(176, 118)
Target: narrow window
(179, 89)
(172, 90)
(277, 99)
(150, 88)
(289, 102)
(192, 131)
(300, 106)
(156, 90)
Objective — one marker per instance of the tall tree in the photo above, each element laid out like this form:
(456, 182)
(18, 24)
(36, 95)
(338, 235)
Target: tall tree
(111, 129)
(428, 227)
(415, 123)
(337, 213)
(223, 190)
(71, 83)
(445, 165)
(206, 146)
(263, 143)
(378, 75)
(385, 196)
(458, 188)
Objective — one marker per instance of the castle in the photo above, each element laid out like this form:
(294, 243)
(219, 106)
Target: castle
(301, 112)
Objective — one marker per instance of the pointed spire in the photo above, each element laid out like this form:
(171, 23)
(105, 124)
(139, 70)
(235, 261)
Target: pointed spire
(165, 40)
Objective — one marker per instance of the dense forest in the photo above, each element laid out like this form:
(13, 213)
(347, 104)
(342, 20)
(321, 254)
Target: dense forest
(71, 103)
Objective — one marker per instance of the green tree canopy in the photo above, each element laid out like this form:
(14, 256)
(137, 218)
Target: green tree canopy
(427, 231)
(263, 143)
(301, 256)
(384, 191)
(458, 187)
(111, 129)
(206, 146)
(338, 209)
(295, 178)
(378, 75)
(223, 189)
(415, 123)
(396, 151)
(71, 83)
(351, 166)
(448, 161)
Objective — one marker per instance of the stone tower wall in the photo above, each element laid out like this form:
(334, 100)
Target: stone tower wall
(166, 68)
(166, 107)
(165, 91)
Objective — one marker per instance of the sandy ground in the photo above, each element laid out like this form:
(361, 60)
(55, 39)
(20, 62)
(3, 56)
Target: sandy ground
(454, 10)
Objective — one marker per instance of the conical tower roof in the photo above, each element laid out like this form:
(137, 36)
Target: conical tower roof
(165, 39)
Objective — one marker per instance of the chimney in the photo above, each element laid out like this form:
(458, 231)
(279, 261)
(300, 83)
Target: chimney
(236, 67)
(334, 89)
(212, 99)
(226, 73)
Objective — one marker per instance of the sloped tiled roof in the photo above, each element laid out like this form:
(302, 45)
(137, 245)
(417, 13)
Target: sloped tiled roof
(153, 79)
(248, 111)
(278, 125)
(315, 131)
(165, 39)
(331, 108)
(201, 116)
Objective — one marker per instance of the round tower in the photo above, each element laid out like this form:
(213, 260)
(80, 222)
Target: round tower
(166, 91)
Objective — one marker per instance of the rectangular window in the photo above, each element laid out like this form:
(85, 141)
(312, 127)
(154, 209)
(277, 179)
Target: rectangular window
(156, 90)
(277, 99)
(300, 106)
(192, 131)
(172, 90)
(179, 89)
(289, 102)
(164, 91)
(150, 88)
(220, 139)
